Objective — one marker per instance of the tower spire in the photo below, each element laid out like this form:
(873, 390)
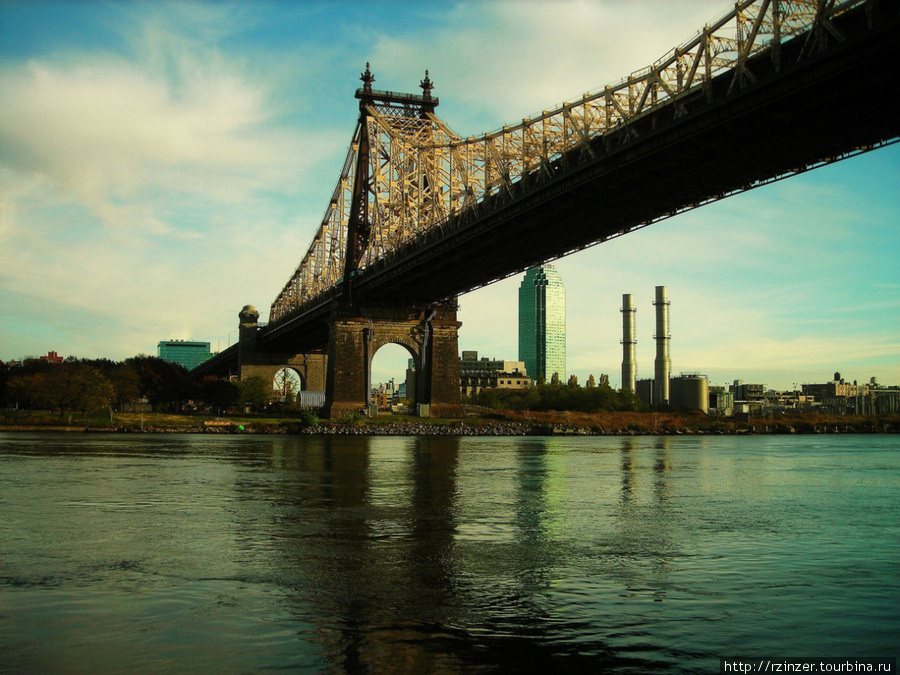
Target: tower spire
(427, 85)
(367, 79)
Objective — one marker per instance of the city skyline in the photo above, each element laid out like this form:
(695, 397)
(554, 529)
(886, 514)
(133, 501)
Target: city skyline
(164, 164)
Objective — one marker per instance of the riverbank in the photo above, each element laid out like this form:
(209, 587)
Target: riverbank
(475, 423)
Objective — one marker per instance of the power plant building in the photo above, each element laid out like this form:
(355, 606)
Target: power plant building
(542, 323)
(689, 392)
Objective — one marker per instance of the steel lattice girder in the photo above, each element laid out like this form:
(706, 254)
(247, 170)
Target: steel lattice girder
(421, 175)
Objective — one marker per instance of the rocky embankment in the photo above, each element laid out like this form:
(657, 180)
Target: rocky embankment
(500, 427)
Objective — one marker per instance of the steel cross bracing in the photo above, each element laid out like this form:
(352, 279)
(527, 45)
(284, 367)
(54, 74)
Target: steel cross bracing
(415, 174)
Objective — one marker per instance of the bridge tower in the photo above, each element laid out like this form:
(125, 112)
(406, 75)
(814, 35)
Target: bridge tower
(357, 327)
(253, 361)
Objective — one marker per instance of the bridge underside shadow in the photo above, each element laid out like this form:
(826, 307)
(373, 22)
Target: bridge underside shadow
(707, 145)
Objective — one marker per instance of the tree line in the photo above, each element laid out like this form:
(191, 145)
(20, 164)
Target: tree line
(90, 385)
(557, 396)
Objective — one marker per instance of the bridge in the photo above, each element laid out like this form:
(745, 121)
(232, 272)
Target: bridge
(421, 215)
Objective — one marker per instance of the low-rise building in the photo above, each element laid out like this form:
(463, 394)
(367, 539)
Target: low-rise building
(747, 392)
(721, 402)
(477, 374)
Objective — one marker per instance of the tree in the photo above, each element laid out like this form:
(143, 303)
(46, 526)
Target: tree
(24, 390)
(573, 381)
(166, 385)
(287, 385)
(219, 394)
(125, 383)
(89, 390)
(591, 383)
(254, 391)
(65, 387)
(554, 379)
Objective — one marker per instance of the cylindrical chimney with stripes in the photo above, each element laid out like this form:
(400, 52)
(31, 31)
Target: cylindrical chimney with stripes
(629, 364)
(662, 364)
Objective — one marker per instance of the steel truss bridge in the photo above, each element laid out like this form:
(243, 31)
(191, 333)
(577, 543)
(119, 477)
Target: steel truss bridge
(419, 214)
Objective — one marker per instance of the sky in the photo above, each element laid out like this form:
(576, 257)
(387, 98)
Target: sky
(164, 164)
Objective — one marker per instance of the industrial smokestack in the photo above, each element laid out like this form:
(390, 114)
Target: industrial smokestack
(629, 364)
(662, 364)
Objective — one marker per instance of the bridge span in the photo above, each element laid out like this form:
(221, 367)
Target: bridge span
(772, 89)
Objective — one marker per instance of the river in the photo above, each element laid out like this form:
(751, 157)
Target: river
(238, 554)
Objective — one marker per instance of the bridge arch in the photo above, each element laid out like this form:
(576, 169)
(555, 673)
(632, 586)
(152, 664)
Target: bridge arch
(428, 333)
(288, 381)
(393, 356)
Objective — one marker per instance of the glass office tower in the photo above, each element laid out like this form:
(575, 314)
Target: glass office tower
(185, 353)
(542, 323)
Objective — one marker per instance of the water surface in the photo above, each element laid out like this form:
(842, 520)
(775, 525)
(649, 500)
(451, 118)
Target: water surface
(234, 554)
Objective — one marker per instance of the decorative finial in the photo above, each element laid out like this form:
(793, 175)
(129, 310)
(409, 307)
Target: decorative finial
(367, 79)
(427, 85)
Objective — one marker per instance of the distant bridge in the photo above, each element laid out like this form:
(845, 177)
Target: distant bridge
(420, 215)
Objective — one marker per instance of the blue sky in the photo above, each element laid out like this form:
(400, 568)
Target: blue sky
(164, 164)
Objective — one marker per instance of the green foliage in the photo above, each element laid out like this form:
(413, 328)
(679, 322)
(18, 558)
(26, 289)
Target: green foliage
(87, 384)
(219, 394)
(351, 418)
(166, 385)
(70, 386)
(254, 392)
(308, 418)
(557, 397)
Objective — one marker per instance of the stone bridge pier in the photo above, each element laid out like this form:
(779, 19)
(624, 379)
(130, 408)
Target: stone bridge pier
(310, 367)
(430, 334)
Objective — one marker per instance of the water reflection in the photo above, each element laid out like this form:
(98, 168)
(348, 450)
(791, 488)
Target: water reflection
(629, 444)
(376, 576)
(386, 577)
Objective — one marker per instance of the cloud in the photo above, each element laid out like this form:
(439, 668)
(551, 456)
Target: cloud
(132, 181)
(497, 62)
(108, 130)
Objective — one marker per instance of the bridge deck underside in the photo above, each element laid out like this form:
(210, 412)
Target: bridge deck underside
(804, 115)
(718, 142)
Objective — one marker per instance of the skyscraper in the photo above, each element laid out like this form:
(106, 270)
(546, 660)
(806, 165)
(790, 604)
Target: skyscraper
(542, 323)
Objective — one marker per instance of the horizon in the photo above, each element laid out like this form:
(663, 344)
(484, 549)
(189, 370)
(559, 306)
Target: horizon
(164, 164)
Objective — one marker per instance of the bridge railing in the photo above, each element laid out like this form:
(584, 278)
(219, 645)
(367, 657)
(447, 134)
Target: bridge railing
(421, 174)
